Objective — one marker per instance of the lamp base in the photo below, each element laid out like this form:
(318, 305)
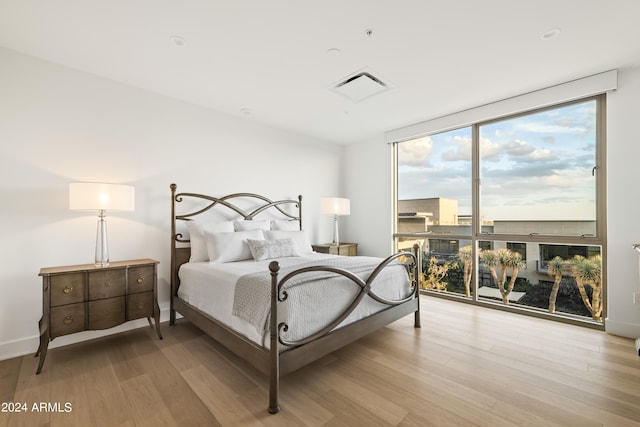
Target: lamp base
(102, 247)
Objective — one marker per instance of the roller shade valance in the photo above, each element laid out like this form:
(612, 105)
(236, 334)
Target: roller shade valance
(565, 92)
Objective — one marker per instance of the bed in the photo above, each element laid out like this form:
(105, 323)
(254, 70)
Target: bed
(246, 275)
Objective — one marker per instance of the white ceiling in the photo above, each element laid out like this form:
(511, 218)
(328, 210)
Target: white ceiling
(268, 61)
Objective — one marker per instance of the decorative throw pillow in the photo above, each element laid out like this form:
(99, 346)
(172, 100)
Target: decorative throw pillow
(299, 239)
(270, 249)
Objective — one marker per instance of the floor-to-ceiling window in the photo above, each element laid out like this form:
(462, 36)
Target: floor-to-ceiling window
(510, 211)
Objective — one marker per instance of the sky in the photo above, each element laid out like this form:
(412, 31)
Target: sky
(533, 167)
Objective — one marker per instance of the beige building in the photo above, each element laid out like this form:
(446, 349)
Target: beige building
(434, 211)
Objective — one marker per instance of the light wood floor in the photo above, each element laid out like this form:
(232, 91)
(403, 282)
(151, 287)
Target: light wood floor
(466, 366)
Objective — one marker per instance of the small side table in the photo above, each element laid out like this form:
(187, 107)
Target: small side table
(348, 249)
(84, 297)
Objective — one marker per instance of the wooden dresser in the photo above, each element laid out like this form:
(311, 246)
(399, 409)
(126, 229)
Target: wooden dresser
(349, 249)
(84, 297)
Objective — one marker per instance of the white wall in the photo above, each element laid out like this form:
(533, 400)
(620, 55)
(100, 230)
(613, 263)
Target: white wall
(623, 200)
(368, 184)
(58, 125)
(367, 170)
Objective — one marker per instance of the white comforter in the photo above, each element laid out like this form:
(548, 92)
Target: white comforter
(211, 288)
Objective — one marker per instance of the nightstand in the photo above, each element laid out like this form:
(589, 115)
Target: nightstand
(348, 249)
(84, 297)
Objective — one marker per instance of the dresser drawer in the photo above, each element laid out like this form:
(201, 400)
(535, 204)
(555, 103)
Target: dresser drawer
(67, 319)
(67, 289)
(141, 279)
(106, 283)
(85, 297)
(106, 313)
(139, 305)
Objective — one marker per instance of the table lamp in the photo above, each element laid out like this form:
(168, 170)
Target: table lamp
(101, 197)
(335, 206)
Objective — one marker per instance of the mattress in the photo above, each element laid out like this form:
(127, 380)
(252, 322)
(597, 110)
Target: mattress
(211, 287)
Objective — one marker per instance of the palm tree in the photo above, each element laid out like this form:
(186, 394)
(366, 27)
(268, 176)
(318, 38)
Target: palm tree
(507, 261)
(555, 269)
(466, 258)
(589, 272)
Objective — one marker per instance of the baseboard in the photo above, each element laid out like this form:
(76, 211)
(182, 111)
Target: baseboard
(623, 329)
(29, 345)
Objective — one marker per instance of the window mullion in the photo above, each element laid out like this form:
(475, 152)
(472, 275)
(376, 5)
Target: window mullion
(475, 202)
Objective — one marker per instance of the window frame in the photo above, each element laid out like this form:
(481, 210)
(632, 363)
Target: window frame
(599, 171)
(477, 233)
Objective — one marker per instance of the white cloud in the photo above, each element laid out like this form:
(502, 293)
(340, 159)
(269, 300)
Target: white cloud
(540, 154)
(489, 151)
(566, 179)
(462, 150)
(518, 148)
(415, 152)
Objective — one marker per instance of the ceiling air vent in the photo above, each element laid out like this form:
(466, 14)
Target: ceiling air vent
(360, 86)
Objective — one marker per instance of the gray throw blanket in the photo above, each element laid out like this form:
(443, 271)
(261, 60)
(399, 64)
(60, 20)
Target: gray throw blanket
(253, 291)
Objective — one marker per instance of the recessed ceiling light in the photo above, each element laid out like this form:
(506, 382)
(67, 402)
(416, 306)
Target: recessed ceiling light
(178, 41)
(333, 51)
(245, 111)
(551, 34)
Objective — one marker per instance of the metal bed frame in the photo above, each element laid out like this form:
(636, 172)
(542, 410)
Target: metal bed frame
(284, 356)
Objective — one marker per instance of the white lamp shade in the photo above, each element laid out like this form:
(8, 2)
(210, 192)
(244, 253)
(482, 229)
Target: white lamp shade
(101, 196)
(335, 206)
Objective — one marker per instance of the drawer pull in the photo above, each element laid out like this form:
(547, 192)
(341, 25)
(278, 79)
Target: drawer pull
(67, 320)
(140, 279)
(67, 289)
(107, 284)
(140, 305)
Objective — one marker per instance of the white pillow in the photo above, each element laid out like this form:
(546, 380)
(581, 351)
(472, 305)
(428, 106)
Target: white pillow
(285, 225)
(198, 240)
(270, 249)
(246, 225)
(230, 246)
(299, 239)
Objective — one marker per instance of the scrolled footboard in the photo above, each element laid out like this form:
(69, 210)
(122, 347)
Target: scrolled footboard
(364, 289)
(279, 295)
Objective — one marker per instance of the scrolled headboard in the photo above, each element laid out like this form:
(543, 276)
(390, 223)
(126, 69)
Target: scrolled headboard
(256, 204)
